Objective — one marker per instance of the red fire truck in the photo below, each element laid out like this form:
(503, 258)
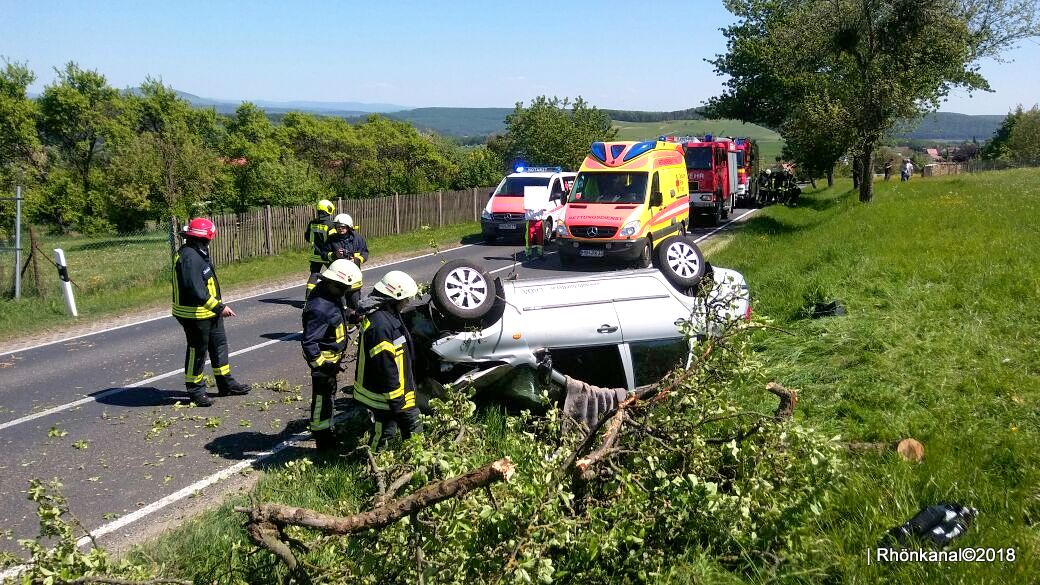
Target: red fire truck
(711, 167)
(747, 171)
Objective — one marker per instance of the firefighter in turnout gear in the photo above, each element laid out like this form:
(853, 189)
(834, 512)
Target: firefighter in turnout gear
(384, 378)
(318, 231)
(199, 310)
(324, 341)
(345, 243)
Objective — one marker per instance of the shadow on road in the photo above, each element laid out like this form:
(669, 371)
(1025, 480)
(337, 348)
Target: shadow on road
(291, 302)
(143, 396)
(282, 335)
(246, 444)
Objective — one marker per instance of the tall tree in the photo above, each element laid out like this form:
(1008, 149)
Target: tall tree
(881, 60)
(1024, 143)
(19, 141)
(552, 131)
(79, 110)
(163, 167)
(816, 135)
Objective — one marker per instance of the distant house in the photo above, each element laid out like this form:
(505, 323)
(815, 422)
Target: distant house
(933, 154)
(235, 162)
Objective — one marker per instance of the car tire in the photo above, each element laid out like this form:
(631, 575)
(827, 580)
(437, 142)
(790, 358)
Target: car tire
(547, 231)
(646, 258)
(681, 261)
(726, 207)
(463, 290)
(715, 217)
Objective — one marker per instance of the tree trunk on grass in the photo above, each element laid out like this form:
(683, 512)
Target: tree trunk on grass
(830, 177)
(866, 181)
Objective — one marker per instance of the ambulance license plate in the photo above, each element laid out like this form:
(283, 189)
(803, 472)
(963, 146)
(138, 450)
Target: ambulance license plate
(591, 253)
(507, 226)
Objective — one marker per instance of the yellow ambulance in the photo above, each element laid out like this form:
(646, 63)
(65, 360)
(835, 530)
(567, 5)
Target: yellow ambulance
(627, 197)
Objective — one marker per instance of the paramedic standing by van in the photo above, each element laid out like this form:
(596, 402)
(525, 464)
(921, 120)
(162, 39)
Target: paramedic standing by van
(199, 310)
(384, 377)
(318, 231)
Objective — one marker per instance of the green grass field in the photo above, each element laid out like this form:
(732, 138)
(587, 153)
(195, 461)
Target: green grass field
(120, 274)
(938, 344)
(769, 142)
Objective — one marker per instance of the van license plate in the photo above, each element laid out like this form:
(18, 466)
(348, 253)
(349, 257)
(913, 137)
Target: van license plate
(507, 226)
(591, 253)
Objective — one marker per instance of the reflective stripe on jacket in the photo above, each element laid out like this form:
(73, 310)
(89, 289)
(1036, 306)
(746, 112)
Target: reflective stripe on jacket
(324, 328)
(384, 361)
(196, 291)
(318, 231)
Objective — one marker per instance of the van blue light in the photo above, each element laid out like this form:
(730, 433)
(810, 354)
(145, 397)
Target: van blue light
(638, 149)
(599, 150)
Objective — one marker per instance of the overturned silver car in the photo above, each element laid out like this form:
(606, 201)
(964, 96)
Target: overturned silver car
(623, 328)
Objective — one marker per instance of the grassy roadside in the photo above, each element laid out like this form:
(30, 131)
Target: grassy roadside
(119, 275)
(940, 278)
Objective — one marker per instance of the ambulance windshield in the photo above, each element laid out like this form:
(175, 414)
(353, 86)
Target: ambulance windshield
(605, 187)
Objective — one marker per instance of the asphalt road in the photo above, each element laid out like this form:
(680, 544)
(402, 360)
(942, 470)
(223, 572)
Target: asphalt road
(105, 413)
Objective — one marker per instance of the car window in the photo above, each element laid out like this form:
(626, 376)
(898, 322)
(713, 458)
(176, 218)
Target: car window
(557, 191)
(651, 360)
(514, 186)
(599, 366)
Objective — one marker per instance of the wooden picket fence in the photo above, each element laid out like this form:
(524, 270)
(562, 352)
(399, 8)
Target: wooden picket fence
(273, 230)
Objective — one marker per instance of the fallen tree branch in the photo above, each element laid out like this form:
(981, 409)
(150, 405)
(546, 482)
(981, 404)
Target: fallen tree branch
(281, 515)
(119, 581)
(788, 400)
(378, 475)
(391, 491)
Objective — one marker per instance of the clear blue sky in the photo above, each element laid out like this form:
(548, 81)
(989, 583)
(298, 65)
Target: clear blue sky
(464, 53)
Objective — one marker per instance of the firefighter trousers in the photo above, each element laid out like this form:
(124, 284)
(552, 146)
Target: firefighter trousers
(204, 336)
(388, 422)
(323, 395)
(312, 280)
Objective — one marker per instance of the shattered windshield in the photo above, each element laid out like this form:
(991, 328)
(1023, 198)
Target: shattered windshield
(605, 187)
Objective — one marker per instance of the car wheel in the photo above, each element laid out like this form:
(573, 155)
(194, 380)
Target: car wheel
(549, 232)
(716, 215)
(464, 290)
(681, 261)
(726, 207)
(646, 258)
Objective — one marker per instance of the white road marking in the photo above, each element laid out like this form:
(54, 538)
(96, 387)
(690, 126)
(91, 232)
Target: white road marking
(714, 231)
(172, 498)
(111, 391)
(234, 300)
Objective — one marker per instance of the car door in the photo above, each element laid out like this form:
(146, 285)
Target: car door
(566, 314)
(557, 198)
(649, 309)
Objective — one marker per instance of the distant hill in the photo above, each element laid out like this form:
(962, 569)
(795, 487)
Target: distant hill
(457, 121)
(769, 142)
(950, 126)
(344, 109)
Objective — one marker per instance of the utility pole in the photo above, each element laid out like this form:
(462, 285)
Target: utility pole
(18, 242)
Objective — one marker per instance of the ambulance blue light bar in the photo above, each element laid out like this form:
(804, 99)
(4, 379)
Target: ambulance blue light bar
(526, 169)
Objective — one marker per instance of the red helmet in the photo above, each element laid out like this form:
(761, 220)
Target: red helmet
(200, 227)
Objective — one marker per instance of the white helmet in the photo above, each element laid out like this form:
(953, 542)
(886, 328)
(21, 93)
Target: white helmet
(344, 272)
(343, 219)
(397, 285)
